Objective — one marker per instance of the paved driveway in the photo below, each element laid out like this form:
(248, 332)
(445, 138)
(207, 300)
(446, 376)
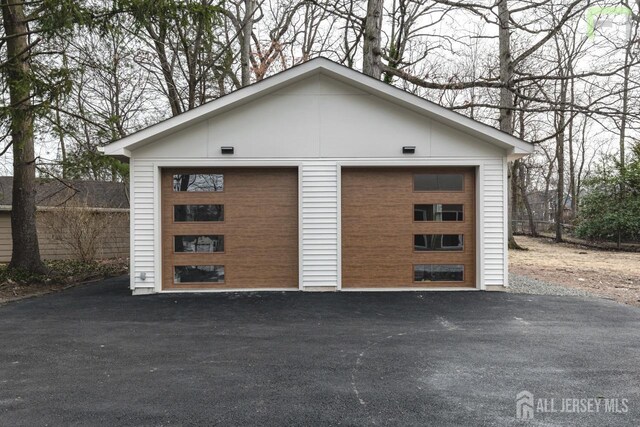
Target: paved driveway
(97, 356)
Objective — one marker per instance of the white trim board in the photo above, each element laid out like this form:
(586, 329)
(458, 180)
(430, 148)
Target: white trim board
(405, 289)
(339, 218)
(346, 162)
(300, 232)
(479, 229)
(263, 290)
(132, 222)
(220, 291)
(157, 217)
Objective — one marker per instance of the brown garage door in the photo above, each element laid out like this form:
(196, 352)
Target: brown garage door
(408, 227)
(229, 228)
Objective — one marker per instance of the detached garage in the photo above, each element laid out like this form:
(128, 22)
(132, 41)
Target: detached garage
(318, 178)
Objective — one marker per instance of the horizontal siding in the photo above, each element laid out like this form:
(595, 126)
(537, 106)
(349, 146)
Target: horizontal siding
(143, 199)
(493, 222)
(319, 228)
(5, 237)
(111, 244)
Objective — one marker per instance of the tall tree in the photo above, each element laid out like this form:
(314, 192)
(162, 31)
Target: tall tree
(507, 104)
(631, 49)
(17, 69)
(560, 122)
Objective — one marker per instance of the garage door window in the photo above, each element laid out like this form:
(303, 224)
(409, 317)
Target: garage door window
(193, 213)
(438, 273)
(438, 212)
(438, 242)
(198, 274)
(211, 243)
(438, 182)
(198, 182)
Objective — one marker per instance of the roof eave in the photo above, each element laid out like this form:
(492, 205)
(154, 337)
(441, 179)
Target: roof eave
(516, 153)
(120, 153)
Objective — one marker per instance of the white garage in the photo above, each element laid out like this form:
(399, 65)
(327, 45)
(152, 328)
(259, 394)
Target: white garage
(318, 178)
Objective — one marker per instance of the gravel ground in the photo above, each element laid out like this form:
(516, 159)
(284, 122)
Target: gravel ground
(574, 268)
(519, 284)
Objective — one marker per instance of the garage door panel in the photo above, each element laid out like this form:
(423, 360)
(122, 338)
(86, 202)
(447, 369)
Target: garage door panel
(199, 258)
(378, 228)
(197, 198)
(440, 228)
(260, 228)
(440, 258)
(452, 198)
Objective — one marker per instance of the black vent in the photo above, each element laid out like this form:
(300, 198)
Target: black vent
(408, 150)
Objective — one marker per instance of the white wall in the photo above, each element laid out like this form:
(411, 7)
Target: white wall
(493, 234)
(145, 225)
(318, 124)
(319, 224)
(319, 117)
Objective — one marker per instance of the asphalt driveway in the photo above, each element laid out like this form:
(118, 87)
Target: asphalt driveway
(95, 355)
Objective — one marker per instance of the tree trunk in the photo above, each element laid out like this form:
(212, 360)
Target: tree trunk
(560, 197)
(506, 97)
(159, 43)
(371, 46)
(625, 103)
(572, 163)
(245, 43)
(26, 253)
(560, 156)
(506, 69)
(514, 190)
(525, 200)
(523, 181)
(63, 148)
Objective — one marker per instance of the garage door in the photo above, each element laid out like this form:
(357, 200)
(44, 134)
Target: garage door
(229, 228)
(408, 227)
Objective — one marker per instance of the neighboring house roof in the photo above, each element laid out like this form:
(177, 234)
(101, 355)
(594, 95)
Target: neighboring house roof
(515, 146)
(74, 193)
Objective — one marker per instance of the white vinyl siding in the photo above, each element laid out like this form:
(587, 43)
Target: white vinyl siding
(319, 224)
(144, 228)
(493, 222)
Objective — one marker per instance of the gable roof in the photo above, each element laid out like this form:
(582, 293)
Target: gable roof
(76, 193)
(123, 147)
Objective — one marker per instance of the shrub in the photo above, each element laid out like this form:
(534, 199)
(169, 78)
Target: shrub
(610, 208)
(81, 229)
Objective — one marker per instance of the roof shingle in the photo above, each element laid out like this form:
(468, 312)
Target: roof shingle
(76, 193)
